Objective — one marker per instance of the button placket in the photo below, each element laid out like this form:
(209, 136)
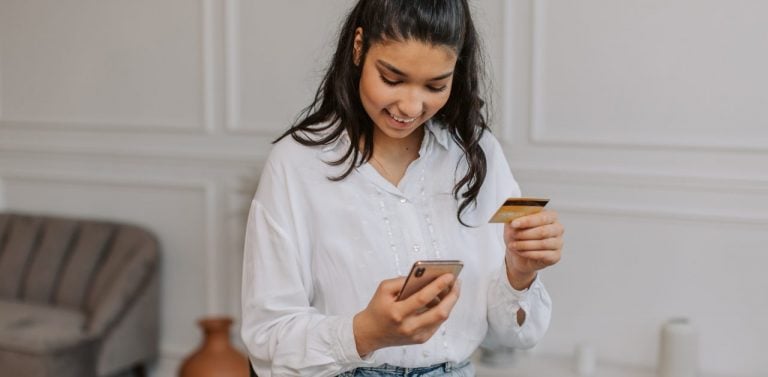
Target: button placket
(412, 230)
(390, 234)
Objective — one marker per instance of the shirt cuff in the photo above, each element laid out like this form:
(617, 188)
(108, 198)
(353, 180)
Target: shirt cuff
(347, 353)
(516, 299)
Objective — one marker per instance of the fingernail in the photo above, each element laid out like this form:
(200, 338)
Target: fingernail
(515, 224)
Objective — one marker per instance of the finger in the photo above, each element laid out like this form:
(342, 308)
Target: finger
(423, 297)
(543, 257)
(444, 294)
(424, 323)
(554, 243)
(534, 220)
(440, 312)
(450, 299)
(392, 287)
(539, 232)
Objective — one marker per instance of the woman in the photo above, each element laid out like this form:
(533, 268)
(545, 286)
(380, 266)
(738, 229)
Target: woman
(392, 163)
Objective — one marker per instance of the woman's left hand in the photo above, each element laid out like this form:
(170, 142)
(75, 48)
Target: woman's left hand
(533, 243)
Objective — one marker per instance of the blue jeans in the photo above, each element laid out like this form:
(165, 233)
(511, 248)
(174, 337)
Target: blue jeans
(464, 369)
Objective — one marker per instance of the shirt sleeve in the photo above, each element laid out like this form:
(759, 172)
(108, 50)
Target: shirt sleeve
(503, 303)
(284, 334)
(503, 300)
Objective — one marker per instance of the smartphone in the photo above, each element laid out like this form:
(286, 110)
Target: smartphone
(424, 272)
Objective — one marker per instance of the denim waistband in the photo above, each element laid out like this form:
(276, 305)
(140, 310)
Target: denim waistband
(391, 370)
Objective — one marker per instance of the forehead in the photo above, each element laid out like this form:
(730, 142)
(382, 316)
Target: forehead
(414, 58)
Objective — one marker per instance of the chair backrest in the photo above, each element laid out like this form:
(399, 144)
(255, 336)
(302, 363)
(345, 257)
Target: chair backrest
(64, 261)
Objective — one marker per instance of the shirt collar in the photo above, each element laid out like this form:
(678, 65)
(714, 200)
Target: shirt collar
(439, 132)
(342, 140)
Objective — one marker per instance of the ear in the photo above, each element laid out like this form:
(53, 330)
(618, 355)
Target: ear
(357, 46)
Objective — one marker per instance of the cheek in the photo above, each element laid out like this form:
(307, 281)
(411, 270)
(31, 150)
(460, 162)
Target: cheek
(373, 92)
(436, 103)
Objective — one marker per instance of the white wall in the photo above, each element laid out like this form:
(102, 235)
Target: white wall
(645, 121)
(642, 120)
(158, 113)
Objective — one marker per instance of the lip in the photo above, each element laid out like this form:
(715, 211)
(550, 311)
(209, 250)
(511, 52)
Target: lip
(397, 124)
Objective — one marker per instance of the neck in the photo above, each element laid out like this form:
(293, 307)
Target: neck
(391, 157)
(398, 151)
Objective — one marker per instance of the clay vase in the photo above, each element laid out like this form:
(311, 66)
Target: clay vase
(216, 357)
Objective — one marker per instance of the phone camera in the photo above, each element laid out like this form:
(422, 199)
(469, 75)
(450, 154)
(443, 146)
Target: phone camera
(419, 272)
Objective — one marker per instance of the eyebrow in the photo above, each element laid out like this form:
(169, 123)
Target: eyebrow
(398, 72)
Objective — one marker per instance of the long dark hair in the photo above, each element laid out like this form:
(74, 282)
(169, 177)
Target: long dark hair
(337, 106)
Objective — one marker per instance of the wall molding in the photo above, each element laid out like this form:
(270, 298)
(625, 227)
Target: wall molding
(639, 179)
(232, 62)
(219, 295)
(537, 132)
(626, 203)
(123, 180)
(210, 66)
(15, 138)
(233, 122)
(1, 92)
(103, 125)
(205, 118)
(508, 70)
(660, 213)
(232, 82)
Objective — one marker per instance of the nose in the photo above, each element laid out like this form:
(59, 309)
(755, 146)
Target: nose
(411, 105)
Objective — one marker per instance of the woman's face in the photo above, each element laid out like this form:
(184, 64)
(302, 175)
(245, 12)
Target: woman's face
(403, 84)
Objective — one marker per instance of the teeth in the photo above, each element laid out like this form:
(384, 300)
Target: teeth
(401, 120)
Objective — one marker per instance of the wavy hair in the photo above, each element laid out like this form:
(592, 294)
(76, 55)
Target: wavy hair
(337, 107)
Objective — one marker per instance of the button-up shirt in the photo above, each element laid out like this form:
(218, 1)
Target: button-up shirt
(317, 249)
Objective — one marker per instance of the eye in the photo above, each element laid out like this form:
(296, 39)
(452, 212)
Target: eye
(438, 89)
(389, 82)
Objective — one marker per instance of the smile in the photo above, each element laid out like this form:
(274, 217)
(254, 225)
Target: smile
(401, 120)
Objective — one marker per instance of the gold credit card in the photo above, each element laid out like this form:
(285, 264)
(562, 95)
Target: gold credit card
(518, 207)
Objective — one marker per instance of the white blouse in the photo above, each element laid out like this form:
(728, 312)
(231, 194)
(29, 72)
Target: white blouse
(316, 250)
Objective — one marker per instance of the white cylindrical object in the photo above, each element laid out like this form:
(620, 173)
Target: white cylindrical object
(678, 349)
(585, 360)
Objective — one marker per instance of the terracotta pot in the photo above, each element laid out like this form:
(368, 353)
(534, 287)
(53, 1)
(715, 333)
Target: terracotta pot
(216, 357)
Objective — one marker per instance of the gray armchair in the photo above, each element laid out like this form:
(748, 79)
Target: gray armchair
(78, 297)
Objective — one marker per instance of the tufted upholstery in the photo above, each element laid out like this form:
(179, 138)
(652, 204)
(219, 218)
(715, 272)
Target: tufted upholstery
(77, 297)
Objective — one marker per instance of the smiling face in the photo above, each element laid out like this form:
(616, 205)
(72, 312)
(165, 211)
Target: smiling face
(403, 84)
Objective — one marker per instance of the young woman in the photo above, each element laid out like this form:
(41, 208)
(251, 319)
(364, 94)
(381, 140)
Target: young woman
(392, 163)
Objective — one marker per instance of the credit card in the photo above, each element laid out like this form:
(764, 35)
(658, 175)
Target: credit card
(518, 207)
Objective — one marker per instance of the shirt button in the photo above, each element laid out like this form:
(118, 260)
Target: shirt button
(425, 353)
(403, 200)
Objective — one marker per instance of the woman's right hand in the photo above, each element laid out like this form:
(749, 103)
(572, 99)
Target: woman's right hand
(387, 322)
